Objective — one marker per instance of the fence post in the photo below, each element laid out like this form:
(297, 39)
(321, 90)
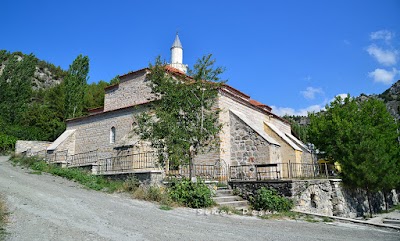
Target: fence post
(289, 170)
(326, 170)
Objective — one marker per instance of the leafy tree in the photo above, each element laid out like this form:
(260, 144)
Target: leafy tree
(94, 95)
(15, 86)
(114, 80)
(184, 119)
(75, 84)
(362, 137)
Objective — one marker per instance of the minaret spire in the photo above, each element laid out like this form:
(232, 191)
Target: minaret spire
(177, 55)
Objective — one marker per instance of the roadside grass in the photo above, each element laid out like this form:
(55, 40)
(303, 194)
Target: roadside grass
(3, 219)
(99, 183)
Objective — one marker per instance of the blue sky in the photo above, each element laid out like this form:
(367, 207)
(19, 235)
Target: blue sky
(292, 55)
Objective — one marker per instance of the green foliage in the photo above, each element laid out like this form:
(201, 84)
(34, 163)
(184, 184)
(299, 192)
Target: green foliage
(131, 184)
(298, 130)
(114, 80)
(269, 200)
(190, 194)
(184, 121)
(15, 86)
(7, 143)
(81, 176)
(94, 95)
(362, 137)
(75, 84)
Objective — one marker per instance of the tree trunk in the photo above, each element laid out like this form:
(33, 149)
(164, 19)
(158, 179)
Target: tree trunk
(385, 198)
(369, 202)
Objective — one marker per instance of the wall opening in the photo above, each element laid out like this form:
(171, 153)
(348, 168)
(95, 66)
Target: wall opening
(313, 200)
(112, 135)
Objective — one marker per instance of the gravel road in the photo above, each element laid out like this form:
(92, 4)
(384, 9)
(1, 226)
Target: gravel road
(44, 207)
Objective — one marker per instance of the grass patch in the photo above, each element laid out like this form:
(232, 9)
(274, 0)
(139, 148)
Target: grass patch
(98, 183)
(327, 220)
(310, 219)
(3, 219)
(165, 207)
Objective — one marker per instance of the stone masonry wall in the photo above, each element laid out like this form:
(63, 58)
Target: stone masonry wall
(31, 146)
(132, 90)
(227, 103)
(327, 197)
(93, 132)
(247, 146)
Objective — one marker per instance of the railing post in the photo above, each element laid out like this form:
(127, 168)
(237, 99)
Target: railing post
(326, 170)
(289, 170)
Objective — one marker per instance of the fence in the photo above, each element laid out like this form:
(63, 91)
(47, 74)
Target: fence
(128, 163)
(282, 171)
(215, 172)
(83, 159)
(57, 157)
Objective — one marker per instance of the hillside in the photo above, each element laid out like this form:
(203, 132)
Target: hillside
(392, 99)
(46, 75)
(34, 94)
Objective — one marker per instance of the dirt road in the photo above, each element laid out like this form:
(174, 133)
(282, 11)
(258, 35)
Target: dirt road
(44, 207)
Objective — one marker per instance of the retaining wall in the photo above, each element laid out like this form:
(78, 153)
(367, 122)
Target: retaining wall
(322, 196)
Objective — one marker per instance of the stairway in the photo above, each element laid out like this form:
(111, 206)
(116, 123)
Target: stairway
(225, 197)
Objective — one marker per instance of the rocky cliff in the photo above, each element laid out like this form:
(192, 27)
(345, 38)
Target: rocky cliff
(46, 74)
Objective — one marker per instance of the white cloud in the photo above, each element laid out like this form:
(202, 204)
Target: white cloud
(310, 92)
(382, 34)
(281, 111)
(384, 76)
(385, 57)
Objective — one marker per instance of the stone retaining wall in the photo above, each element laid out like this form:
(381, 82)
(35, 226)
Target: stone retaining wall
(322, 196)
(30, 146)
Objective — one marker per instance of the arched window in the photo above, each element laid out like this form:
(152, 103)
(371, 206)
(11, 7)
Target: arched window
(112, 135)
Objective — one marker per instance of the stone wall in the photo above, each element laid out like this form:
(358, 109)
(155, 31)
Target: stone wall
(31, 146)
(327, 197)
(93, 132)
(247, 146)
(133, 89)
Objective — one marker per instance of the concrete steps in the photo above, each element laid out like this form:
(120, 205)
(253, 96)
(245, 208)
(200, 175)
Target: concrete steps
(225, 197)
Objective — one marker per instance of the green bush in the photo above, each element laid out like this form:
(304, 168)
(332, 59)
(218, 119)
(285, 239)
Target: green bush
(268, 199)
(131, 184)
(190, 194)
(7, 143)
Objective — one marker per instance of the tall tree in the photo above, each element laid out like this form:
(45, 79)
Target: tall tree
(183, 121)
(15, 86)
(362, 137)
(75, 84)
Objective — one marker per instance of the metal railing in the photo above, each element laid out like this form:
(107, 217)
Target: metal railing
(282, 171)
(128, 163)
(83, 159)
(57, 157)
(209, 172)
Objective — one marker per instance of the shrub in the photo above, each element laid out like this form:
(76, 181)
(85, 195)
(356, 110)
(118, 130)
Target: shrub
(153, 193)
(268, 199)
(190, 194)
(131, 184)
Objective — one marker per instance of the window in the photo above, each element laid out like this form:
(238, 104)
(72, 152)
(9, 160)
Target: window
(112, 135)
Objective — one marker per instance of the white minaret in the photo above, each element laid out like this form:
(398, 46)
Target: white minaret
(177, 55)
